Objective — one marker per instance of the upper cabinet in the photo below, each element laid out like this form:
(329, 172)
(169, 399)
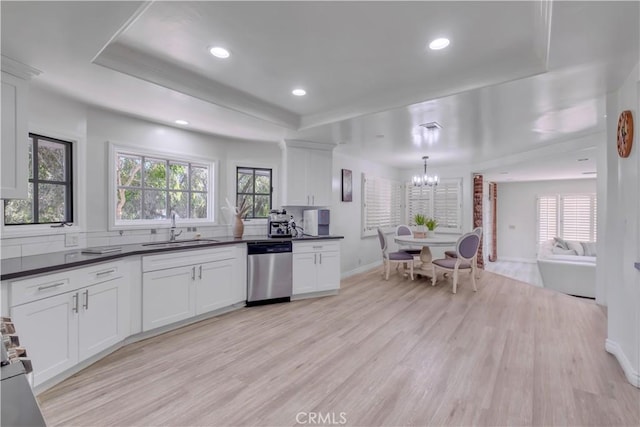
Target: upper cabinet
(307, 174)
(15, 134)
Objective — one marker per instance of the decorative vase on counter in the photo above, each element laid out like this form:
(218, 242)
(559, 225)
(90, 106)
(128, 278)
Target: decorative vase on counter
(238, 227)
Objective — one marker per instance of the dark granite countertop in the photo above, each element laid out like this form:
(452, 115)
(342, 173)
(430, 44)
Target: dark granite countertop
(13, 268)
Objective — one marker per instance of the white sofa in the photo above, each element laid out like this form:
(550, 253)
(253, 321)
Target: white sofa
(569, 271)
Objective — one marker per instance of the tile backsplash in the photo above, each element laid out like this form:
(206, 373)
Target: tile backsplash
(13, 247)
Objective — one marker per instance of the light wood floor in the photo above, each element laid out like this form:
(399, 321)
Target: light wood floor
(522, 271)
(384, 353)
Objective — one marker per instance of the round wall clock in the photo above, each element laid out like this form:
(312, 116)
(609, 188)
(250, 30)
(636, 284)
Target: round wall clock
(625, 133)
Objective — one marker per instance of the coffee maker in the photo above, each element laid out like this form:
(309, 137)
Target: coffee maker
(279, 224)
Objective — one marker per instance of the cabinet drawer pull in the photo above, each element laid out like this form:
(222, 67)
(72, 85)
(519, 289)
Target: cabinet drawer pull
(53, 285)
(75, 303)
(86, 300)
(314, 258)
(193, 273)
(317, 247)
(200, 275)
(320, 258)
(105, 272)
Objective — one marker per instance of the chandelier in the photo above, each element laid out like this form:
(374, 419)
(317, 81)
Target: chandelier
(424, 179)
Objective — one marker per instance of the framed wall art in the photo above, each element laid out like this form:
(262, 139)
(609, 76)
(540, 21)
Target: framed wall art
(347, 185)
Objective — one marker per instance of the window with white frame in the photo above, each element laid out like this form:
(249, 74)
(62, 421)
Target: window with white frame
(442, 202)
(150, 187)
(381, 204)
(568, 216)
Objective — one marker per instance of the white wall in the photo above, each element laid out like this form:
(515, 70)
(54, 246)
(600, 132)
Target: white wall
(358, 253)
(616, 274)
(516, 214)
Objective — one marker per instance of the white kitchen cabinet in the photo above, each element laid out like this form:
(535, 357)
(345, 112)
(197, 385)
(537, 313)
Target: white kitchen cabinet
(61, 323)
(167, 296)
(104, 317)
(48, 329)
(216, 287)
(307, 177)
(15, 137)
(181, 285)
(316, 266)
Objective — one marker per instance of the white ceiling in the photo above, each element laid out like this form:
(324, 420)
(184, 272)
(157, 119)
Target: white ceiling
(518, 77)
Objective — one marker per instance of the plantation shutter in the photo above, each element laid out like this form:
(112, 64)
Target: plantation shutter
(446, 205)
(419, 201)
(578, 217)
(547, 218)
(382, 203)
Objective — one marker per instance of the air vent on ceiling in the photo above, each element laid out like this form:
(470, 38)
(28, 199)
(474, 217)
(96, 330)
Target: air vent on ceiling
(431, 125)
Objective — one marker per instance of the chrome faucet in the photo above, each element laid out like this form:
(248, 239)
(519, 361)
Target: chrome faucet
(173, 235)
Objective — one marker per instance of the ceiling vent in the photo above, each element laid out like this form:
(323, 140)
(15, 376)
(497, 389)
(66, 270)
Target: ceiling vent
(431, 125)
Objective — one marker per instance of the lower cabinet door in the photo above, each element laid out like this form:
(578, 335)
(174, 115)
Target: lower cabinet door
(328, 271)
(48, 329)
(166, 296)
(304, 272)
(104, 317)
(215, 285)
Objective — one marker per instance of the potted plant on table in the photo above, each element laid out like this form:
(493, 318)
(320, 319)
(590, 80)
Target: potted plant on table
(431, 224)
(421, 230)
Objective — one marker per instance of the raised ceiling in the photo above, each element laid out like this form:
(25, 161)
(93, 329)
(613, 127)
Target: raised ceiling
(517, 77)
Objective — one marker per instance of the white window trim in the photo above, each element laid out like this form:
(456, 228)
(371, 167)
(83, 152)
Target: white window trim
(438, 229)
(231, 186)
(149, 224)
(559, 213)
(78, 169)
(370, 233)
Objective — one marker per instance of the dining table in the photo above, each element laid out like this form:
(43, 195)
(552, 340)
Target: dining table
(442, 240)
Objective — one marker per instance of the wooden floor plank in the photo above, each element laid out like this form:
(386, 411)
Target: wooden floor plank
(381, 353)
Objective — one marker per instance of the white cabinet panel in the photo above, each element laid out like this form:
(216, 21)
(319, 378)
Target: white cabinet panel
(316, 266)
(48, 329)
(307, 177)
(328, 270)
(215, 287)
(166, 296)
(304, 273)
(104, 317)
(15, 137)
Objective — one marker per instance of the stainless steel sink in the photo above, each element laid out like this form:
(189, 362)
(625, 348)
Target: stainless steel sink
(179, 243)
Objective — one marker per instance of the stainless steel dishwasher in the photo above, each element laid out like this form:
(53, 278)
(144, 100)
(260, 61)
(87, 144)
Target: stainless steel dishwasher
(269, 272)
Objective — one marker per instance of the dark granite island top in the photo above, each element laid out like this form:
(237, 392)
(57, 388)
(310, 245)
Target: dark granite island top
(13, 268)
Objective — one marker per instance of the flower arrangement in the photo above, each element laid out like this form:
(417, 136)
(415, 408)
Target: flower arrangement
(242, 210)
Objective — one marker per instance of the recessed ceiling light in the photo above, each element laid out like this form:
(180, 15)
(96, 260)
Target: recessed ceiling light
(182, 122)
(219, 52)
(299, 92)
(438, 44)
(584, 159)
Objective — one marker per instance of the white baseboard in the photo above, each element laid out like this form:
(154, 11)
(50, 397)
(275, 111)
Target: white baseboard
(516, 259)
(360, 269)
(632, 375)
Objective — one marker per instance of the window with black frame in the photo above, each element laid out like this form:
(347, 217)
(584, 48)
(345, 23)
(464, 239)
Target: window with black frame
(50, 188)
(254, 186)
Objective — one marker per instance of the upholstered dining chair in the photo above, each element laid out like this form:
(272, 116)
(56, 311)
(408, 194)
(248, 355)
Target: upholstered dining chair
(389, 257)
(466, 249)
(404, 230)
(454, 254)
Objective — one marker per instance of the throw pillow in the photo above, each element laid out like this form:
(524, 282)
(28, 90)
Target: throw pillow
(576, 246)
(589, 248)
(560, 243)
(559, 251)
